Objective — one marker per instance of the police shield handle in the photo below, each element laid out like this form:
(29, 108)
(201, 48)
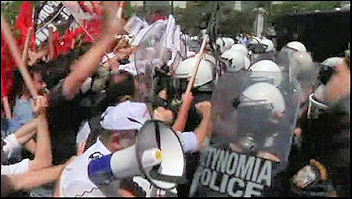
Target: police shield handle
(5, 29)
(199, 59)
(26, 46)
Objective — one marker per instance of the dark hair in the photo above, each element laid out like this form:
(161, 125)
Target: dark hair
(59, 68)
(19, 87)
(116, 90)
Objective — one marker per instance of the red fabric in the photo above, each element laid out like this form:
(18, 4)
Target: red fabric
(98, 10)
(23, 23)
(4, 89)
(56, 42)
(7, 67)
(93, 27)
(86, 7)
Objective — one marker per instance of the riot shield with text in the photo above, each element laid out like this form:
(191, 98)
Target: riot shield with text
(253, 121)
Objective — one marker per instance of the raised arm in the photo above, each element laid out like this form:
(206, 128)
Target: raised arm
(43, 154)
(86, 65)
(205, 127)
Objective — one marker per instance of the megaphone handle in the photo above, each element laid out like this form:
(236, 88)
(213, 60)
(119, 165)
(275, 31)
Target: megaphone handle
(201, 52)
(167, 178)
(157, 135)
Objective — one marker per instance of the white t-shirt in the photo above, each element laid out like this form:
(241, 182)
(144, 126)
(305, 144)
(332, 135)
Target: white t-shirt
(17, 168)
(75, 181)
(12, 145)
(10, 148)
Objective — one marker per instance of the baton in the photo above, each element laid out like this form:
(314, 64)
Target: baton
(26, 46)
(5, 29)
(201, 53)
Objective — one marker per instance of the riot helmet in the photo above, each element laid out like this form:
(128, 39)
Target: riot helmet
(269, 44)
(257, 108)
(240, 48)
(234, 60)
(185, 70)
(224, 43)
(272, 69)
(326, 68)
(255, 46)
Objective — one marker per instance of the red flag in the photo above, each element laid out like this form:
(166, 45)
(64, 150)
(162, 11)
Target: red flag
(7, 67)
(23, 23)
(4, 89)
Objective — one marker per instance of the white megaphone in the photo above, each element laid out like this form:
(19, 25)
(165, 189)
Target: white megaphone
(157, 155)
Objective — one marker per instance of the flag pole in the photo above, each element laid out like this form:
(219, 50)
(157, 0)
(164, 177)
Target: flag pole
(5, 29)
(26, 46)
(199, 59)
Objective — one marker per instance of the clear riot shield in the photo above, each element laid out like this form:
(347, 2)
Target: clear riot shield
(253, 121)
(151, 54)
(262, 56)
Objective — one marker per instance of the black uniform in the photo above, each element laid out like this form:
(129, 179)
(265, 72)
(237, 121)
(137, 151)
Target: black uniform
(192, 159)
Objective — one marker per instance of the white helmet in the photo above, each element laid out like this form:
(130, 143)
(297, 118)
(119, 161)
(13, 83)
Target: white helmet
(240, 48)
(224, 43)
(263, 93)
(238, 60)
(327, 68)
(269, 44)
(254, 40)
(332, 61)
(274, 71)
(186, 68)
(301, 65)
(211, 59)
(296, 45)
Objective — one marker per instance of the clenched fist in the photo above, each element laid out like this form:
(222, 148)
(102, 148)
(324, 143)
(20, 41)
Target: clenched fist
(204, 107)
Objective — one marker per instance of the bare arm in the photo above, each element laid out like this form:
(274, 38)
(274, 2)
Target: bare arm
(43, 154)
(31, 146)
(31, 179)
(26, 132)
(205, 127)
(86, 65)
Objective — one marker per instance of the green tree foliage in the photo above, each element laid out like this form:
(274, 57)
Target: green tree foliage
(302, 6)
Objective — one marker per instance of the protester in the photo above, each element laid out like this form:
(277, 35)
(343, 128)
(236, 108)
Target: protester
(43, 157)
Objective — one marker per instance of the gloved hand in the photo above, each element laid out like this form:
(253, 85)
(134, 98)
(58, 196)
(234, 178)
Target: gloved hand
(310, 174)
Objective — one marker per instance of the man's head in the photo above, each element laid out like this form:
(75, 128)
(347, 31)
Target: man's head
(121, 124)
